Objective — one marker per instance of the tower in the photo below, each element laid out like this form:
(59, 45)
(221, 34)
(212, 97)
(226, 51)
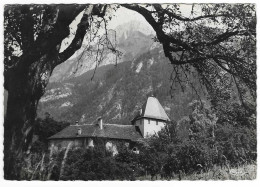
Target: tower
(152, 117)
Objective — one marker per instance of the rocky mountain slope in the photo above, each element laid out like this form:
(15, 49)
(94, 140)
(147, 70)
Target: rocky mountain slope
(117, 92)
(133, 39)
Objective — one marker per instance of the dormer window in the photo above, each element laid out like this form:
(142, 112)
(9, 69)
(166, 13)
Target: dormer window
(79, 131)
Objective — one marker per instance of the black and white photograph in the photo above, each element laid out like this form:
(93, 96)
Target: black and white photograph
(129, 92)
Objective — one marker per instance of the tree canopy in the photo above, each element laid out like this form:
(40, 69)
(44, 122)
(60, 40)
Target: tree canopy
(220, 39)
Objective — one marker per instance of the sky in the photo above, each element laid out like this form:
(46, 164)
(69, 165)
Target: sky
(123, 15)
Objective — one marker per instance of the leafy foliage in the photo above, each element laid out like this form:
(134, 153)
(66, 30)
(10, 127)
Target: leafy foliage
(197, 143)
(45, 128)
(221, 38)
(89, 165)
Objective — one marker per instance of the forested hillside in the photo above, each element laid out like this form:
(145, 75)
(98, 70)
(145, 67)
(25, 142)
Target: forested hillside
(117, 92)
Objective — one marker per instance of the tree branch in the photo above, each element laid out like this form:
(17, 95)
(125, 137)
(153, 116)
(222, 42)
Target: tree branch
(51, 37)
(27, 24)
(78, 39)
(180, 18)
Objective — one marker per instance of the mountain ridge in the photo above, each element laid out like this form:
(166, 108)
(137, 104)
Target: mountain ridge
(117, 92)
(137, 41)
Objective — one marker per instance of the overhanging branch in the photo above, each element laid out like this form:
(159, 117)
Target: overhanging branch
(78, 39)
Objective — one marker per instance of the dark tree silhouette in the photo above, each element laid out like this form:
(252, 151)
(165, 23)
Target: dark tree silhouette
(36, 31)
(221, 39)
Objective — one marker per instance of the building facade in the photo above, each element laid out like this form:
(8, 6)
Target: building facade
(150, 119)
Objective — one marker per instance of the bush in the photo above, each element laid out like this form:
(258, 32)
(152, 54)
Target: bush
(97, 164)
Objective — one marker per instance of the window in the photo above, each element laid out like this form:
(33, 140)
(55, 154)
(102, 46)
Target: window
(135, 150)
(156, 122)
(148, 121)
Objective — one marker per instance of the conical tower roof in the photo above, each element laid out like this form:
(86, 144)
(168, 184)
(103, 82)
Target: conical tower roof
(153, 109)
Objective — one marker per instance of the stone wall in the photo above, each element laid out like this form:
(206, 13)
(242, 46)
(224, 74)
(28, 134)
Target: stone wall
(113, 145)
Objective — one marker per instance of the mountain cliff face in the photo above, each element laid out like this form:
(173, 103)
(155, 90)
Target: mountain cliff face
(117, 92)
(133, 39)
(125, 30)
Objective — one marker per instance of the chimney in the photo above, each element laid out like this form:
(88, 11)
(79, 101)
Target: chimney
(79, 131)
(77, 123)
(100, 122)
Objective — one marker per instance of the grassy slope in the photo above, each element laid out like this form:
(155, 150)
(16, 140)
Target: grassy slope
(243, 172)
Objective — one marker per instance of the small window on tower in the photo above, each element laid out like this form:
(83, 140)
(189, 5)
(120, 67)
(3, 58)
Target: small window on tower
(156, 122)
(148, 121)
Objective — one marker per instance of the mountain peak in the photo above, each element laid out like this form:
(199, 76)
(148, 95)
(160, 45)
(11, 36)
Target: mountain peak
(134, 38)
(126, 29)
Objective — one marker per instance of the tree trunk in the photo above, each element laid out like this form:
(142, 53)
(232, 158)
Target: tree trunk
(27, 79)
(25, 88)
(17, 132)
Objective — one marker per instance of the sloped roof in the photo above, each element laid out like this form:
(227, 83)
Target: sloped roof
(113, 131)
(152, 109)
